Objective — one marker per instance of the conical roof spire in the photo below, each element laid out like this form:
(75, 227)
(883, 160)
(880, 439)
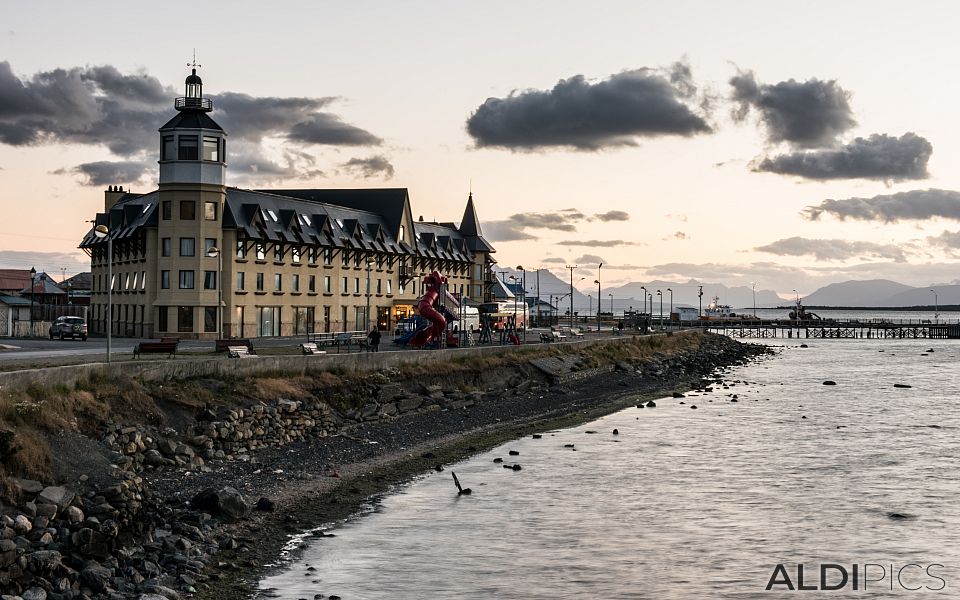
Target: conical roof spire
(470, 224)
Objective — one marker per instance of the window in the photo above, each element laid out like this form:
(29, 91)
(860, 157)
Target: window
(261, 251)
(356, 259)
(268, 321)
(400, 237)
(361, 321)
(209, 319)
(356, 285)
(278, 253)
(343, 286)
(211, 147)
(166, 210)
(165, 280)
(389, 286)
(295, 254)
(209, 280)
(343, 317)
(346, 258)
(143, 280)
(295, 283)
(326, 319)
(165, 247)
(188, 210)
(186, 280)
(259, 282)
(379, 261)
(188, 148)
(278, 282)
(240, 280)
(328, 256)
(302, 320)
(210, 211)
(238, 324)
(241, 250)
(312, 255)
(327, 289)
(187, 247)
(312, 284)
(223, 150)
(208, 243)
(167, 148)
(185, 319)
(379, 288)
(162, 318)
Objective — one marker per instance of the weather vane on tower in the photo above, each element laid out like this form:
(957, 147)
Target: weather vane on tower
(194, 64)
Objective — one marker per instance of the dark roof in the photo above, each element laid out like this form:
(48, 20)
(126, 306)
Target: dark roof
(191, 119)
(130, 212)
(307, 221)
(440, 240)
(14, 300)
(43, 284)
(391, 203)
(14, 279)
(470, 224)
(80, 281)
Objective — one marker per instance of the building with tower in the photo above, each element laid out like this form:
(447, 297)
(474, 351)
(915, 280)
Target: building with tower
(198, 259)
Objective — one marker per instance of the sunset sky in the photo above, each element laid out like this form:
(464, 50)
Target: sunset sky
(788, 144)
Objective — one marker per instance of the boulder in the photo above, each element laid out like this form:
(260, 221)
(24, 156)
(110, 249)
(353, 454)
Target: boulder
(96, 577)
(225, 502)
(55, 494)
(34, 593)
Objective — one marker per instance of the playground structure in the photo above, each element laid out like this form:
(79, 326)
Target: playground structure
(436, 293)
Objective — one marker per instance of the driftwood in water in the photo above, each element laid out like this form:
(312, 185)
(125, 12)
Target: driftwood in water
(461, 491)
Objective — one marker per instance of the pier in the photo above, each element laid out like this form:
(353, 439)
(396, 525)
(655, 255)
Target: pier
(825, 328)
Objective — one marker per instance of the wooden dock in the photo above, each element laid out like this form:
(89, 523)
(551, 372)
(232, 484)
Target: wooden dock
(825, 328)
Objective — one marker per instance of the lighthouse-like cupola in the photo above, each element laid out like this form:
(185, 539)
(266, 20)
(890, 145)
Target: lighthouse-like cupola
(193, 146)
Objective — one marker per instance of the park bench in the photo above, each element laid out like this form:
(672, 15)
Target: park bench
(557, 336)
(311, 348)
(224, 345)
(322, 339)
(576, 332)
(350, 338)
(169, 340)
(169, 348)
(240, 352)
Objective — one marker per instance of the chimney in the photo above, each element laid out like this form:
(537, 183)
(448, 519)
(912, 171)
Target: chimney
(111, 195)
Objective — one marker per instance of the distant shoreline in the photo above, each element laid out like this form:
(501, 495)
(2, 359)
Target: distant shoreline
(941, 308)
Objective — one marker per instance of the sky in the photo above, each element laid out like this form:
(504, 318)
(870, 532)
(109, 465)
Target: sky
(787, 144)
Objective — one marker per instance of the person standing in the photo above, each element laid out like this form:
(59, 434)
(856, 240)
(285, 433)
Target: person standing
(373, 340)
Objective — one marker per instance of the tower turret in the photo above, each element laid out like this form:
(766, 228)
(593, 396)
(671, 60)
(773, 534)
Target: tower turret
(192, 145)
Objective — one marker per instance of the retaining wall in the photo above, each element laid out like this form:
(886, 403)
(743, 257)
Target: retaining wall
(183, 368)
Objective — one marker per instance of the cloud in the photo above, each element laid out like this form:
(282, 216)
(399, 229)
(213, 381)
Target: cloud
(948, 240)
(49, 262)
(806, 114)
(556, 260)
(598, 243)
(679, 235)
(514, 228)
(613, 215)
(106, 172)
(591, 116)
(588, 259)
(833, 249)
(914, 205)
(252, 164)
(879, 156)
(374, 166)
(100, 106)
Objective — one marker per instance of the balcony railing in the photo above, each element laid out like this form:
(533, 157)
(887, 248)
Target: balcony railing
(204, 104)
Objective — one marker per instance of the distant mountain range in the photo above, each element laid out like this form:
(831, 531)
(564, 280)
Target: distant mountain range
(872, 293)
(882, 293)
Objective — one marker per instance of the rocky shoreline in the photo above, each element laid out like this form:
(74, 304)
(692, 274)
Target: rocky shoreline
(199, 509)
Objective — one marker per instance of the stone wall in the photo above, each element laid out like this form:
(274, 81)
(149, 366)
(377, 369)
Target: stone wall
(183, 368)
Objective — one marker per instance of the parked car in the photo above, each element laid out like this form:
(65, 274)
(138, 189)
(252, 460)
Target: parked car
(69, 327)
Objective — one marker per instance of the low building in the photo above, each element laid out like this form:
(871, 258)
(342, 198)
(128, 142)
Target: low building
(14, 311)
(196, 258)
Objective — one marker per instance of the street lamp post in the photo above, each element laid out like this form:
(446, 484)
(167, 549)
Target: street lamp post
(936, 306)
(599, 295)
(214, 252)
(101, 232)
(700, 298)
(644, 298)
(33, 284)
(513, 278)
(523, 286)
(366, 315)
(571, 294)
(659, 293)
(671, 303)
(611, 304)
(753, 287)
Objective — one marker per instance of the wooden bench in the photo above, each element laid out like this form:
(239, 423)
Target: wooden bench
(576, 333)
(557, 336)
(240, 352)
(224, 345)
(546, 338)
(169, 348)
(311, 348)
(169, 340)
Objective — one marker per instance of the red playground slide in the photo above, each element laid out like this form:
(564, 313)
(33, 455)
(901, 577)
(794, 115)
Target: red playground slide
(434, 286)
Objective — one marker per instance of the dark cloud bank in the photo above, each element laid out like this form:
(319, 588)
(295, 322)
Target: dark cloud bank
(812, 116)
(914, 205)
(100, 106)
(833, 249)
(590, 116)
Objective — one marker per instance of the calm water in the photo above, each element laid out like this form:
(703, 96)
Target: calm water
(685, 503)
